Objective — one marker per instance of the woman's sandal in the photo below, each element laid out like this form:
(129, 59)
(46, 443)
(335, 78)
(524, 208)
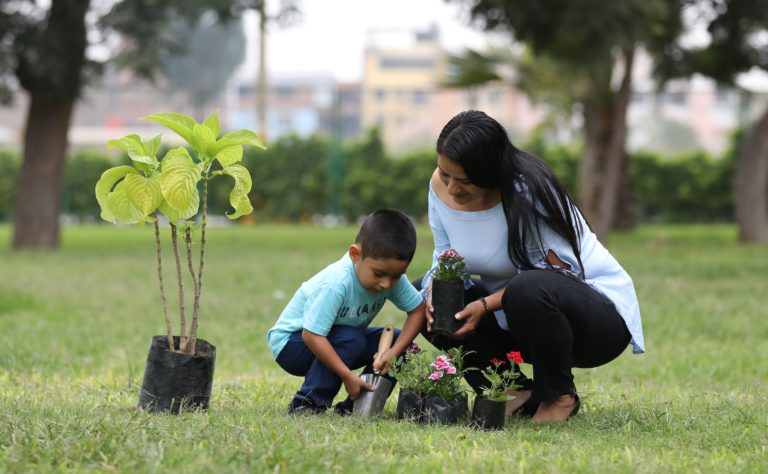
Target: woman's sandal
(576, 407)
(528, 408)
(574, 410)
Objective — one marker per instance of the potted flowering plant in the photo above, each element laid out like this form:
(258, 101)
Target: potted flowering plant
(430, 385)
(179, 369)
(448, 291)
(488, 409)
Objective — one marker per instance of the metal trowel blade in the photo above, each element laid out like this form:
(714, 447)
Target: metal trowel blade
(372, 403)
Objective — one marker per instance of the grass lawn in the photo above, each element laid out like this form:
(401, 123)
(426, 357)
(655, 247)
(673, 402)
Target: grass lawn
(75, 326)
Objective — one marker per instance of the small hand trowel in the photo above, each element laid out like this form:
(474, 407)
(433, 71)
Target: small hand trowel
(372, 403)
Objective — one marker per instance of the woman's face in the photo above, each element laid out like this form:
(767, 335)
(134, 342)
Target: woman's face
(461, 190)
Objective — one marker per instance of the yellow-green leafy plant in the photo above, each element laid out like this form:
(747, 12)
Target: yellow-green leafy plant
(168, 186)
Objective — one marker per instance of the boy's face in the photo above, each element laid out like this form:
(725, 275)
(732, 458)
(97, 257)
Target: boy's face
(376, 274)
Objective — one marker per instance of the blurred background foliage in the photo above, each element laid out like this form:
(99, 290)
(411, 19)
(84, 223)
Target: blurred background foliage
(692, 186)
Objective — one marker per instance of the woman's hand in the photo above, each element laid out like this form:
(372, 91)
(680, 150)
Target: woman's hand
(430, 310)
(471, 315)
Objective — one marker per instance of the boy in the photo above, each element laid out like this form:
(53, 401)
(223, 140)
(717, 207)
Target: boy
(323, 333)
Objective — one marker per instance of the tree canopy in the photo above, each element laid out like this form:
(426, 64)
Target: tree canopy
(213, 51)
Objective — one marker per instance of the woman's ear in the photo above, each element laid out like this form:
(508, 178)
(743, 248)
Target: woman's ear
(355, 253)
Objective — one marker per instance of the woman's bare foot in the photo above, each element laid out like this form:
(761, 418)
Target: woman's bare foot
(558, 409)
(521, 396)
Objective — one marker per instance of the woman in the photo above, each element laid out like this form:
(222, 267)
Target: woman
(546, 287)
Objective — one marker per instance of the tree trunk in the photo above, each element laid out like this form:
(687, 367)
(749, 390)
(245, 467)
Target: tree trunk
(36, 221)
(603, 171)
(751, 177)
(625, 216)
(51, 72)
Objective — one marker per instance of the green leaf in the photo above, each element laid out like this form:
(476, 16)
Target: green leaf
(134, 147)
(213, 123)
(151, 147)
(238, 198)
(105, 184)
(179, 178)
(203, 138)
(239, 137)
(230, 155)
(179, 123)
(174, 215)
(122, 207)
(144, 193)
(130, 144)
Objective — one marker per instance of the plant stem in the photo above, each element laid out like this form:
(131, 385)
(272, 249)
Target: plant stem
(191, 341)
(190, 264)
(180, 278)
(168, 326)
(199, 285)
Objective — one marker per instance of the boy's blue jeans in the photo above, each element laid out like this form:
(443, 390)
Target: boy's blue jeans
(355, 346)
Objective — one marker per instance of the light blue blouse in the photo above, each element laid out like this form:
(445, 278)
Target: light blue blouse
(481, 238)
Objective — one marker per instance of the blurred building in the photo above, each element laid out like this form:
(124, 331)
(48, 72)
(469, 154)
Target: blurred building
(349, 110)
(399, 93)
(108, 109)
(689, 114)
(299, 105)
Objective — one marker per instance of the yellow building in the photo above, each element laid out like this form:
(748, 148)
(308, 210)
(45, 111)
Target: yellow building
(400, 92)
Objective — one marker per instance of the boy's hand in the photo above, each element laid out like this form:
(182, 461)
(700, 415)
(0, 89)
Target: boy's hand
(381, 365)
(354, 385)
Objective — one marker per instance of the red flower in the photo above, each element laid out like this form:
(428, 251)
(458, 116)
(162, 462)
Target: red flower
(496, 361)
(515, 356)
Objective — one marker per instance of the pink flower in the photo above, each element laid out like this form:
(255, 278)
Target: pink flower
(451, 369)
(449, 253)
(436, 375)
(441, 363)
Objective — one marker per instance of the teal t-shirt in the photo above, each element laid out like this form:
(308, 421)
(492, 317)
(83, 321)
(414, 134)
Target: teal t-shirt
(335, 297)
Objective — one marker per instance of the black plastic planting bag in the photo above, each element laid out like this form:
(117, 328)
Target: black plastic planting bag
(488, 414)
(447, 299)
(408, 406)
(437, 410)
(462, 406)
(175, 381)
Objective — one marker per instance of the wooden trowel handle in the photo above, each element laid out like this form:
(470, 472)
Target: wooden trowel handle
(385, 341)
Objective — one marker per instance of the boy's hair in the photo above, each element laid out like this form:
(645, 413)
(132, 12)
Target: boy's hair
(387, 233)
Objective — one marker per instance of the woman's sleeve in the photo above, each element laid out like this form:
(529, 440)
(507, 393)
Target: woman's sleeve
(440, 237)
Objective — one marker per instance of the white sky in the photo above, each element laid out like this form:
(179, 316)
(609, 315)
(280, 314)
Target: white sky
(330, 36)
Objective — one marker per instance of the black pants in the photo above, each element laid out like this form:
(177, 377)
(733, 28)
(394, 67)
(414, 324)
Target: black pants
(557, 323)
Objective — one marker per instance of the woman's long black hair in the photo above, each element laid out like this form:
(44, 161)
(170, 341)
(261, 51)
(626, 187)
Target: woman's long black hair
(481, 146)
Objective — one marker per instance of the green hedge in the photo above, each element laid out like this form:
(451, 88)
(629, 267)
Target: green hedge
(690, 187)
(9, 174)
(297, 178)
